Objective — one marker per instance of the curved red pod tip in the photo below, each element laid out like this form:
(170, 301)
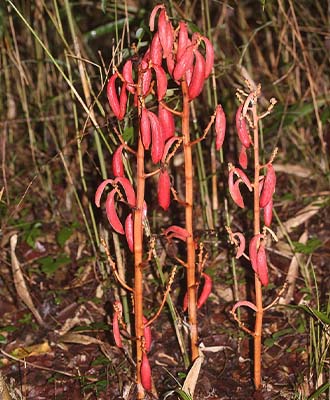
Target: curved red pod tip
(262, 265)
(145, 373)
(169, 143)
(220, 127)
(198, 78)
(244, 303)
(156, 50)
(242, 129)
(110, 208)
(112, 95)
(268, 186)
(117, 162)
(206, 291)
(253, 251)
(268, 213)
(145, 128)
(243, 159)
(234, 190)
(164, 189)
(129, 231)
(128, 189)
(166, 120)
(153, 16)
(128, 76)
(100, 191)
(176, 232)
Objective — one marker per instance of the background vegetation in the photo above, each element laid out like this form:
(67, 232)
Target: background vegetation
(56, 144)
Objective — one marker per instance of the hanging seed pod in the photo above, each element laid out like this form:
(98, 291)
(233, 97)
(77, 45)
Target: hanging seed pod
(167, 147)
(161, 82)
(153, 16)
(177, 232)
(164, 190)
(242, 129)
(147, 335)
(117, 162)
(112, 95)
(166, 120)
(183, 39)
(100, 191)
(220, 127)
(234, 190)
(262, 265)
(253, 251)
(244, 303)
(128, 76)
(268, 213)
(122, 102)
(209, 56)
(115, 323)
(170, 63)
(156, 50)
(111, 212)
(145, 128)
(128, 189)
(165, 33)
(157, 145)
(145, 373)
(184, 63)
(268, 187)
(207, 288)
(129, 231)
(241, 247)
(242, 159)
(197, 79)
(146, 77)
(243, 177)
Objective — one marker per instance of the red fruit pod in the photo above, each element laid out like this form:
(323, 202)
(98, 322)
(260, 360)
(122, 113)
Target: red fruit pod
(207, 288)
(244, 303)
(164, 189)
(241, 247)
(145, 373)
(145, 128)
(167, 147)
(128, 189)
(147, 335)
(128, 76)
(262, 265)
(129, 231)
(110, 208)
(220, 127)
(176, 232)
(122, 102)
(165, 31)
(157, 145)
(242, 129)
(242, 159)
(100, 191)
(112, 95)
(166, 120)
(268, 213)
(243, 177)
(184, 63)
(156, 50)
(153, 16)
(161, 82)
(253, 251)
(117, 162)
(234, 190)
(170, 63)
(209, 56)
(268, 187)
(183, 39)
(197, 79)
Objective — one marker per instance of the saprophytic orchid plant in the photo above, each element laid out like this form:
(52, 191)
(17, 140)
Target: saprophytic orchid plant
(187, 61)
(262, 186)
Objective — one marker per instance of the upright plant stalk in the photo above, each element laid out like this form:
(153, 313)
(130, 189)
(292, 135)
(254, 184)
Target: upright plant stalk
(263, 187)
(191, 278)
